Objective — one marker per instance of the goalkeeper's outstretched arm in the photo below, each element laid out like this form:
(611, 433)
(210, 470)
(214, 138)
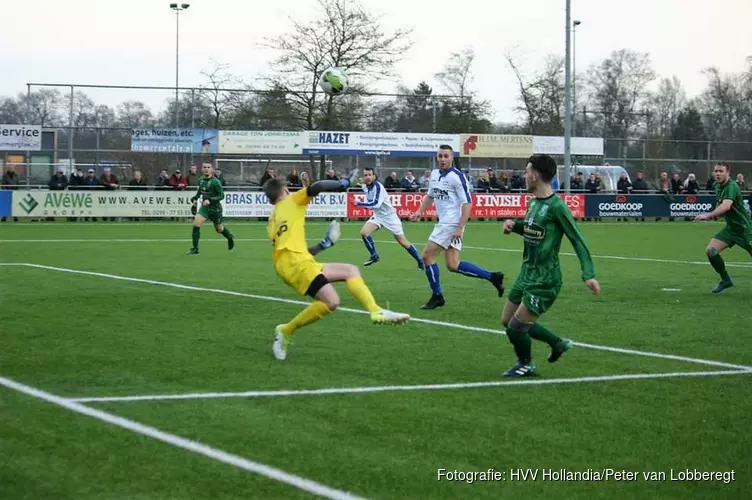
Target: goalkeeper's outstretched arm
(327, 186)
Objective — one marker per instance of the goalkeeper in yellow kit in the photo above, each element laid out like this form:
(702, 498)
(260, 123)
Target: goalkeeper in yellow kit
(295, 265)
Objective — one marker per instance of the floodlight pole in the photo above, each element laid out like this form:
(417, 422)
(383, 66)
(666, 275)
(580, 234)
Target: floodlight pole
(567, 100)
(178, 9)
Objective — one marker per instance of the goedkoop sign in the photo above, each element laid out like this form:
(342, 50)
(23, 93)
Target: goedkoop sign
(622, 205)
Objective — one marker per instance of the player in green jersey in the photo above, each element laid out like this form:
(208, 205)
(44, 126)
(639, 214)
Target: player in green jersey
(547, 220)
(738, 230)
(211, 194)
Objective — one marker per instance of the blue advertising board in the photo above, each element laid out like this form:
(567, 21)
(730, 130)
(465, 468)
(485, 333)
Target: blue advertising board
(647, 205)
(6, 203)
(175, 140)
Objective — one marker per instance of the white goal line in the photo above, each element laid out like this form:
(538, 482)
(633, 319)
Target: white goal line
(742, 265)
(401, 388)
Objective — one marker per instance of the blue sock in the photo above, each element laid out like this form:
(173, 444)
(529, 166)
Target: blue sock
(370, 246)
(470, 269)
(432, 273)
(414, 252)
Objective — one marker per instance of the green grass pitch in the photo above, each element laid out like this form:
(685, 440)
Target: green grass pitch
(386, 407)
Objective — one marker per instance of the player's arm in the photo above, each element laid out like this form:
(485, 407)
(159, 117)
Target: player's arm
(219, 192)
(378, 200)
(463, 193)
(427, 201)
(198, 193)
(568, 225)
(303, 196)
(514, 226)
(722, 208)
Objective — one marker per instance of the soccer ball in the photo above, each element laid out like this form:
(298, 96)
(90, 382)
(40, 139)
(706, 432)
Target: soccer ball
(333, 81)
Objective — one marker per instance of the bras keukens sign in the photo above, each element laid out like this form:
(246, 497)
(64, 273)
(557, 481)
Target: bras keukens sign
(20, 137)
(174, 140)
(378, 143)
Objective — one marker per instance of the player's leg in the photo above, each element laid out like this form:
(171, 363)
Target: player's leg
(718, 244)
(365, 233)
(455, 265)
(198, 221)
(431, 253)
(517, 334)
(331, 237)
(523, 325)
(350, 274)
(221, 229)
(410, 249)
(325, 302)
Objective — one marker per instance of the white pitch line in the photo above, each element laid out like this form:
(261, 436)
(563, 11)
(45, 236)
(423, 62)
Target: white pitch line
(131, 240)
(380, 242)
(395, 388)
(458, 326)
(180, 442)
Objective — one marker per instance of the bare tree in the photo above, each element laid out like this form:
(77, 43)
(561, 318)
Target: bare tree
(467, 113)
(44, 107)
(726, 106)
(343, 35)
(665, 106)
(134, 114)
(213, 96)
(541, 96)
(618, 89)
(12, 110)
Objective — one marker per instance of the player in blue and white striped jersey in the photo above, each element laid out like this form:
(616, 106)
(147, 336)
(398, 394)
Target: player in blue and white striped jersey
(448, 189)
(384, 215)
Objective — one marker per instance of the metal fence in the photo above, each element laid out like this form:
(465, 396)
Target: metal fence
(96, 147)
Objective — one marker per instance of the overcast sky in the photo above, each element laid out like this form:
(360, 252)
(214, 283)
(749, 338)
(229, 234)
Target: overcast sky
(133, 42)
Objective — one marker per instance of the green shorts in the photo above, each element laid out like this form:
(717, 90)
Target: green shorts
(536, 297)
(212, 214)
(732, 238)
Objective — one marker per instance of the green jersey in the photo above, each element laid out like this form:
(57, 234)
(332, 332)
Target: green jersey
(547, 220)
(737, 220)
(210, 189)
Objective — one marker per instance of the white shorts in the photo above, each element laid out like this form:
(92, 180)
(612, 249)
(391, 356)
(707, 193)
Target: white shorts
(391, 223)
(442, 236)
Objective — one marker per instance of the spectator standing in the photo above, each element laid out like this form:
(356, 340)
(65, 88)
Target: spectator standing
(268, 174)
(305, 179)
(192, 177)
(691, 186)
(219, 176)
(58, 182)
(178, 181)
(293, 180)
(109, 181)
(392, 183)
(163, 180)
(677, 186)
(640, 185)
(138, 182)
(409, 182)
(623, 186)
